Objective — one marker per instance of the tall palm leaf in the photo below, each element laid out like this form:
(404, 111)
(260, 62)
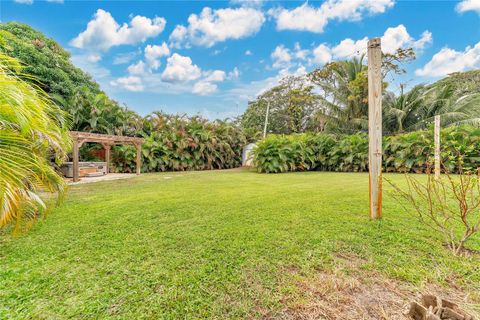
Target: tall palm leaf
(31, 128)
(442, 100)
(403, 111)
(345, 108)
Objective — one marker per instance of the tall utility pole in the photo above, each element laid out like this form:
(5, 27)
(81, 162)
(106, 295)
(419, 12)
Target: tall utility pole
(375, 127)
(436, 138)
(266, 120)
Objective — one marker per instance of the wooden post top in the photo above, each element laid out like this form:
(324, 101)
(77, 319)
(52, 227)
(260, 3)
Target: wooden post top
(374, 42)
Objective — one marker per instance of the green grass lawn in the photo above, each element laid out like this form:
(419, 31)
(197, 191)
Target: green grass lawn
(211, 245)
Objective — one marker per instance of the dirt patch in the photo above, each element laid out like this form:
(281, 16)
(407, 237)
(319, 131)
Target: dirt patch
(465, 252)
(351, 293)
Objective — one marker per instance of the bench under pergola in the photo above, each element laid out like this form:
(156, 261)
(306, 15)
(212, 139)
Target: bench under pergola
(107, 141)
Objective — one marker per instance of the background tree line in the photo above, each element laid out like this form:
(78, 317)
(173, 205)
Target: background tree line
(334, 98)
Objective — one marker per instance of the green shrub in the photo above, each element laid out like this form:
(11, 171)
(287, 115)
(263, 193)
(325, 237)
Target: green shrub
(321, 145)
(174, 143)
(349, 154)
(410, 152)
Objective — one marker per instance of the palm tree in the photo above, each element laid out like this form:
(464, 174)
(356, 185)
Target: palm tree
(416, 109)
(31, 129)
(453, 109)
(403, 112)
(344, 98)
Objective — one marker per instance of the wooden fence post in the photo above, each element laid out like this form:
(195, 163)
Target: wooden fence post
(436, 138)
(375, 127)
(139, 158)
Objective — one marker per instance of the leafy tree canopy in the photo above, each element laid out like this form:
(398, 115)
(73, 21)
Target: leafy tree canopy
(44, 59)
(47, 65)
(335, 98)
(462, 83)
(290, 104)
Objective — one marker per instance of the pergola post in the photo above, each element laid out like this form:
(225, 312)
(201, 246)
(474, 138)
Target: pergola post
(107, 148)
(75, 156)
(375, 126)
(139, 157)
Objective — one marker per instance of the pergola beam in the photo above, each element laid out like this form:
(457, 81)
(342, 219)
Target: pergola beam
(105, 138)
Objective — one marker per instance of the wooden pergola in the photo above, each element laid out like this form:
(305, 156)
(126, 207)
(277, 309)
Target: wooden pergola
(107, 141)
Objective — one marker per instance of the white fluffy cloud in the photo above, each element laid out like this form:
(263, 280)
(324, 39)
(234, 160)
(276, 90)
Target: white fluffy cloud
(469, 5)
(234, 74)
(208, 85)
(204, 88)
(348, 47)
(126, 57)
(248, 91)
(398, 37)
(392, 39)
(213, 26)
(94, 58)
(448, 60)
(154, 53)
(130, 83)
(180, 69)
(90, 64)
(321, 54)
(103, 32)
(215, 76)
(281, 57)
(137, 68)
(308, 18)
(180, 75)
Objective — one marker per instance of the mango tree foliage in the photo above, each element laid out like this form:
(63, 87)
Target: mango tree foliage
(45, 62)
(462, 83)
(292, 103)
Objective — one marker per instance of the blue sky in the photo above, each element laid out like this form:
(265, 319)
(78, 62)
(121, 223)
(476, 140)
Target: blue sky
(211, 57)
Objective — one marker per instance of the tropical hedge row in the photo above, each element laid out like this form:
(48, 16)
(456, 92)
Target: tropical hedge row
(409, 152)
(176, 143)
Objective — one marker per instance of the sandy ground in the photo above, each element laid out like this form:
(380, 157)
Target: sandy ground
(110, 176)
